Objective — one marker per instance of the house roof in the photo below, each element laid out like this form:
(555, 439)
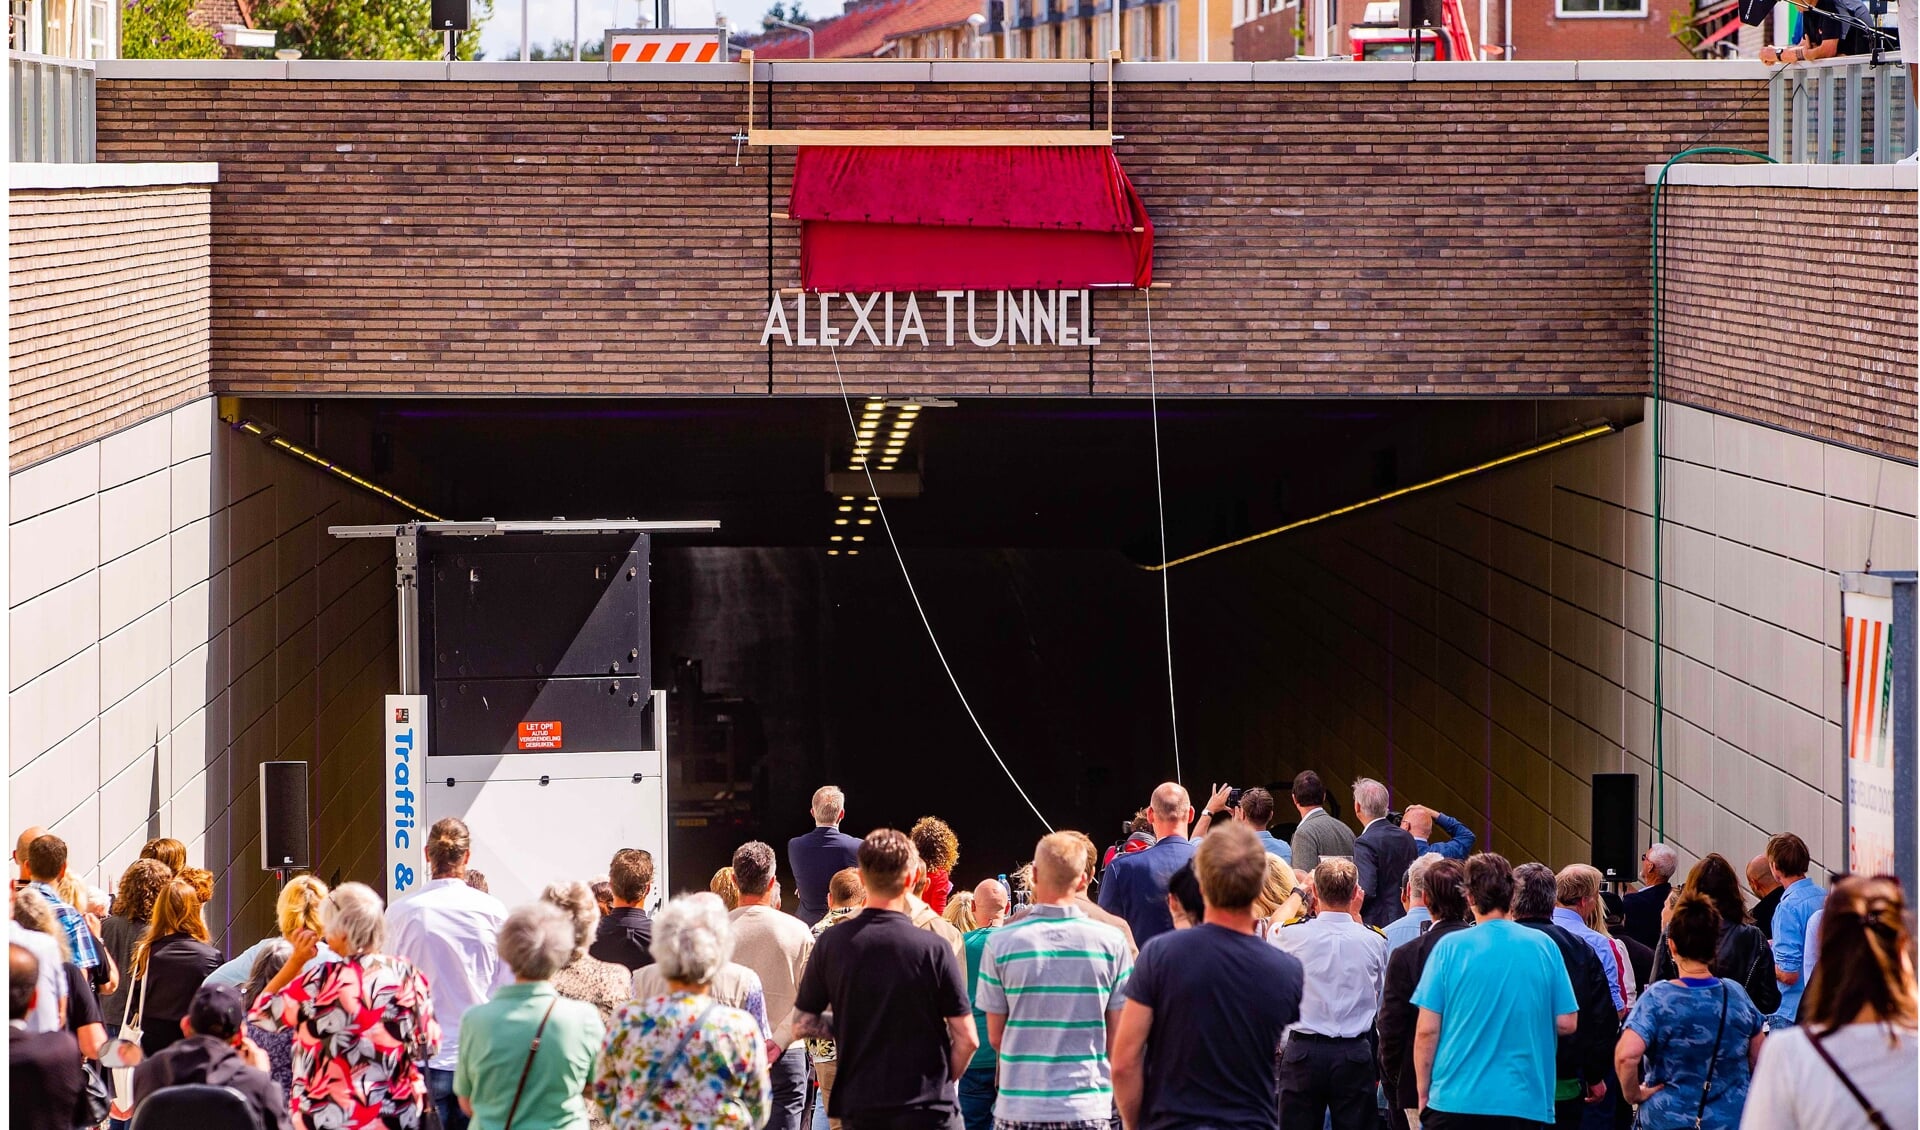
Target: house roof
(866, 27)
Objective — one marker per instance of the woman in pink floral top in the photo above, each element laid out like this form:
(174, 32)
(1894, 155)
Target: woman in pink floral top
(684, 1059)
(361, 1025)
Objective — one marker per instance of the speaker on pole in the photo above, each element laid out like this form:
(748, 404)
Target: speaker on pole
(283, 816)
(449, 15)
(1616, 825)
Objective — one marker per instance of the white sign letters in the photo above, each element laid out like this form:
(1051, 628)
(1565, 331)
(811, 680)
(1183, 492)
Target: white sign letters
(887, 320)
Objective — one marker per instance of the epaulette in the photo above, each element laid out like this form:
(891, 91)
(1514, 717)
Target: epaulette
(1295, 922)
(1377, 930)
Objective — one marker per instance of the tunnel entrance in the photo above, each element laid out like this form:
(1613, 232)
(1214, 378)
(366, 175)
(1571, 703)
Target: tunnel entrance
(791, 646)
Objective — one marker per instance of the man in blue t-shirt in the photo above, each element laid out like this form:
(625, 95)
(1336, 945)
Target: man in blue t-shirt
(1494, 1001)
(1788, 858)
(1206, 1007)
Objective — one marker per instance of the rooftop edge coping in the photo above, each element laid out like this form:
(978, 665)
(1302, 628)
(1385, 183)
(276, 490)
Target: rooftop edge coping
(934, 70)
(1899, 178)
(39, 175)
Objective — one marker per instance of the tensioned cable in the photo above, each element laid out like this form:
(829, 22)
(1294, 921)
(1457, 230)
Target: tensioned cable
(1160, 505)
(873, 492)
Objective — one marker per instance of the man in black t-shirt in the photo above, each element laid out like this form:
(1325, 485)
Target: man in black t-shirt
(1206, 1007)
(891, 996)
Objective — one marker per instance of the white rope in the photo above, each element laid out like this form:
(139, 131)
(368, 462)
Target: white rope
(1160, 504)
(873, 492)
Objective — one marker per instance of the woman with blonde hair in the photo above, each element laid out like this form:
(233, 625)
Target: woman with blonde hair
(1279, 901)
(1854, 1058)
(959, 913)
(297, 908)
(363, 1026)
(173, 960)
(728, 890)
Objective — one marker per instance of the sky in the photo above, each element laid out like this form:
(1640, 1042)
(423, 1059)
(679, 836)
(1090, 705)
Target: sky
(549, 20)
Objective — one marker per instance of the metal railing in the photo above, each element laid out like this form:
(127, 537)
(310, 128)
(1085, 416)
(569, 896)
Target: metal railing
(1846, 111)
(52, 108)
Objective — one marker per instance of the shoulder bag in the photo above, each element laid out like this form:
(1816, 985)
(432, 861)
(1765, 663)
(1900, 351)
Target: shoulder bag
(1874, 1116)
(130, 1033)
(532, 1050)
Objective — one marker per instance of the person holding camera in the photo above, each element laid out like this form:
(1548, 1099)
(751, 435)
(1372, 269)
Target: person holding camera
(1252, 807)
(1382, 852)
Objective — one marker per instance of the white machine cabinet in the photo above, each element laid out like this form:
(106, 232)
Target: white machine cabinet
(523, 740)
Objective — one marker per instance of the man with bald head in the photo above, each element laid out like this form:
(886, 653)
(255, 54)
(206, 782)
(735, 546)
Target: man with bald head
(23, 876)
(1767, 889)
(1135, 887)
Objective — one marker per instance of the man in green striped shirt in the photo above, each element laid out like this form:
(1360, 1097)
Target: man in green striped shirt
(1051, 985)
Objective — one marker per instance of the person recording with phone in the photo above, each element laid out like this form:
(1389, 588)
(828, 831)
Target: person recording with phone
(1252, 807)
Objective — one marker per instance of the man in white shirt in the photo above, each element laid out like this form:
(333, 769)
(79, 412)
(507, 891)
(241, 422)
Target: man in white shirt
(44, 1016)
(1328, 1064)
(450, 932)
(775, 945)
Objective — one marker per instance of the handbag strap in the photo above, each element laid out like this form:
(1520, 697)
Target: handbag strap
(532, 1050)
(1713, 1060)
(658, 1075)
(1873, 1113)
(140, 1014)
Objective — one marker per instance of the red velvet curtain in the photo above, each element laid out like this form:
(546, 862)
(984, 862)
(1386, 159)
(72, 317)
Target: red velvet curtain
(963, 218)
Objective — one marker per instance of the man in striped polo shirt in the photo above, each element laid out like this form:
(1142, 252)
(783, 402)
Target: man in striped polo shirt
(1050, 985)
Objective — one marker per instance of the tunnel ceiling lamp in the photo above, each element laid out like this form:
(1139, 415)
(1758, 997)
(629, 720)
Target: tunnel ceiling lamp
(1583, 433)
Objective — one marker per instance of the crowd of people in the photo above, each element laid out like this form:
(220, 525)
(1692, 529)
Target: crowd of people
(1222, 977)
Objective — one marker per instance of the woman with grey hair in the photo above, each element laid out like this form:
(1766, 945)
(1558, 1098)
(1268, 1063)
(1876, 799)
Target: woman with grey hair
(681, 1058)
(526, 1055)
(362, 1026)
(602, 984)
(270, 957)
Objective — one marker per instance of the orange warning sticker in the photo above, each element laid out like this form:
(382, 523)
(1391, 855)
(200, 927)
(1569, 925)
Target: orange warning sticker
(539, 735)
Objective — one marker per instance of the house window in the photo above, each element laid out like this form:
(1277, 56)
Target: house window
(1579, 9)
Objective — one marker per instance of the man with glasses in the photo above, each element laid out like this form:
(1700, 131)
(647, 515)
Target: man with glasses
(1643, 906)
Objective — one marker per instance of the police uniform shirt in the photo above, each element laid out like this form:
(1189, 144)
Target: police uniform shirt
(1345, 964)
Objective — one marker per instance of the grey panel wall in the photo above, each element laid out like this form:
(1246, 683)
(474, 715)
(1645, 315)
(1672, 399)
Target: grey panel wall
(1487, 647)
(178, 616)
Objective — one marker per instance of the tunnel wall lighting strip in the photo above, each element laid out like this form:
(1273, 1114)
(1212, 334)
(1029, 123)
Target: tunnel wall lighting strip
(1581, 436)
(276, 440)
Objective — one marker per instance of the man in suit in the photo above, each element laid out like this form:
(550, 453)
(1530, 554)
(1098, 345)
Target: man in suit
(1382, 852)
(1320, 832)
(1643, 906)
(48, 1092)
(216, 1052)
(822, 853)
(1135, 887)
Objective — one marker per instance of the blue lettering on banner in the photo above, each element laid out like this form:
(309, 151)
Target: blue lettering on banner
(402, 795)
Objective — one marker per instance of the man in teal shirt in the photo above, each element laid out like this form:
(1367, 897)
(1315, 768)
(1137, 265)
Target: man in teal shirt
(1493, 1002)
(497, 1038)
(977, 1087)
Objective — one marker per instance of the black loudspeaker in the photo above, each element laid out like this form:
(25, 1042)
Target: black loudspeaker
(283, 816)
(1419, 13)
(449, 15)
(1616, 825)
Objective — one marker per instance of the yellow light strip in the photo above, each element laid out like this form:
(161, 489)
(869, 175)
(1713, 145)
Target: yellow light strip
(1540, 449)
(336, 470)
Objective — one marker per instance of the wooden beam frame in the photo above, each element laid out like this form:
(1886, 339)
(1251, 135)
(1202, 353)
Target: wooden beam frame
(1048, 138)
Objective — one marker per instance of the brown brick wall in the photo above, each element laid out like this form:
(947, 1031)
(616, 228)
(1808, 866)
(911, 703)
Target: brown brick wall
(1318, 239)
(108, 301)
(1824, 349)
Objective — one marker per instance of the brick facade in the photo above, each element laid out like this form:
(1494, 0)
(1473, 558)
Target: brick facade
(1828, 353)
(529, 238)
(108, 297)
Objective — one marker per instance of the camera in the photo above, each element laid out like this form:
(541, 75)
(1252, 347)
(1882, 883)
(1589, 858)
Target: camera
(1233, 798)
(1394, 818)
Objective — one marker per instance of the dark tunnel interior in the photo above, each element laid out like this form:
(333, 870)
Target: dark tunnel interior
(793, 659)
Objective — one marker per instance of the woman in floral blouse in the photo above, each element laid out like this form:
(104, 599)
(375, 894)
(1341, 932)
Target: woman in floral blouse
(683, 1059)
(361, 1025)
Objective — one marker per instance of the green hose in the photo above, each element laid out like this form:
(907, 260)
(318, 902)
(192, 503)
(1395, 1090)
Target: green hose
(1659, 665)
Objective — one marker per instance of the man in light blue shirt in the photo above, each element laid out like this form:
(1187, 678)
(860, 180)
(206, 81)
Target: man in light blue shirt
(1413, 896)
(1579, 889)
(1419, 821)
(1493, 1002)
(1789, 859)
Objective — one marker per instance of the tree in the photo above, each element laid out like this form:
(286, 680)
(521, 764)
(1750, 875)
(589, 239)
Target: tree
(792, 11)
(367, 29)
(159, 29)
